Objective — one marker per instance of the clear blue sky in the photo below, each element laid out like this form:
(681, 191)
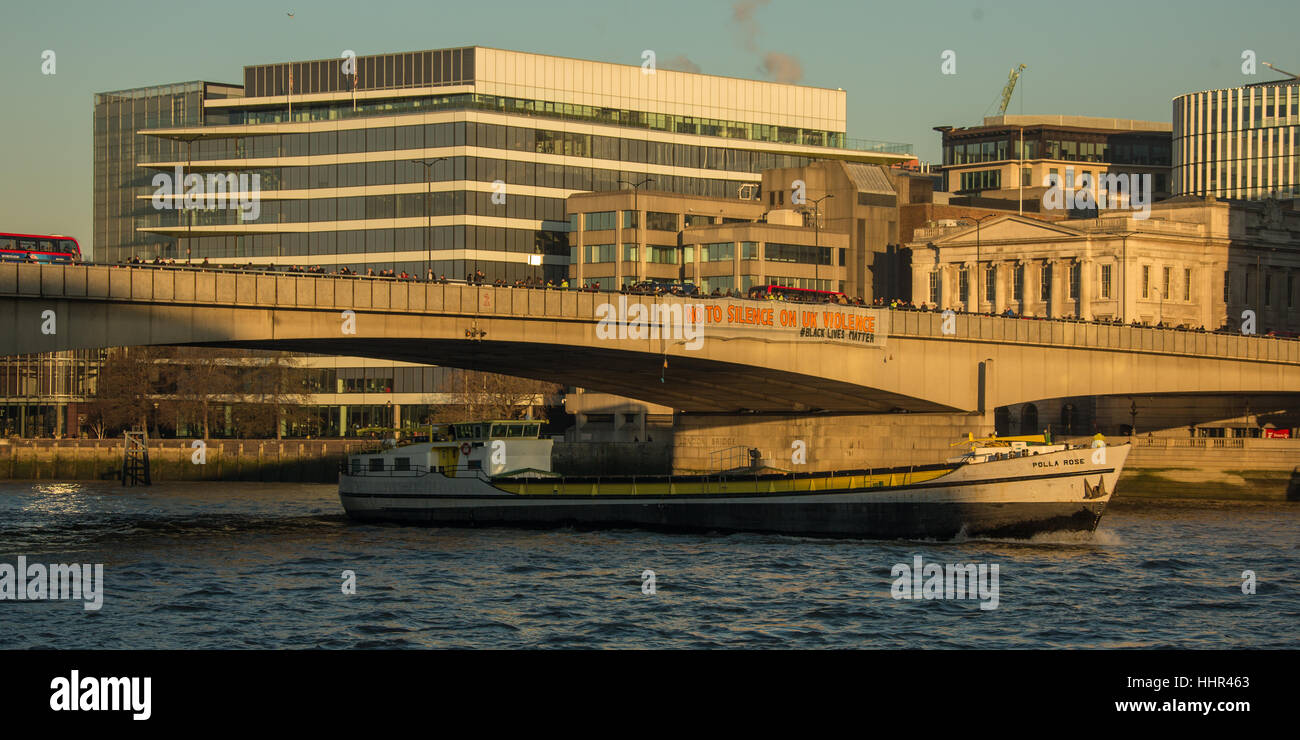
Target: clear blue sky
(1121, 58)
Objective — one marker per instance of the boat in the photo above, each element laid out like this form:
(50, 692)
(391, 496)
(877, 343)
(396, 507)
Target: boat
(498, 473)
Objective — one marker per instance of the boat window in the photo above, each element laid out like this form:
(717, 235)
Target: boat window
(356, 465)
(500, 430)
(533, 430)
(475, 464)
(401, 463)
(376, 464)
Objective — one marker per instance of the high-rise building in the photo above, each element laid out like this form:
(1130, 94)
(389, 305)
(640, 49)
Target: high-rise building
(120, 182)
(459, 160)
(1238, 142)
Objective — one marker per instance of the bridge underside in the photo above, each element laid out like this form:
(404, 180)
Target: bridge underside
(686, 384)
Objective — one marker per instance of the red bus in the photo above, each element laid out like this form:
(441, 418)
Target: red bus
(52, 248)
(801, 295)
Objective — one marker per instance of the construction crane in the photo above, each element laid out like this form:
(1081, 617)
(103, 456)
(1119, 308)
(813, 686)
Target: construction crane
(1010, 88)
(1282, 71)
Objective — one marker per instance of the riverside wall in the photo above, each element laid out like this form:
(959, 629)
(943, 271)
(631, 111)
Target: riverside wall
(290, 461)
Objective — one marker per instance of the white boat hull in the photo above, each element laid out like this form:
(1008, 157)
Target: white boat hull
(1020, 496)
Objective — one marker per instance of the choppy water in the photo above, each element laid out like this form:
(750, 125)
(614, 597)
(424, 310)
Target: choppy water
(214, 565)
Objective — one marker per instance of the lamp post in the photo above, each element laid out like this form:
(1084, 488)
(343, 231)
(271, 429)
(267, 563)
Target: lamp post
(817, 244)
(1123, 277)
(979, 273)
(636, 208)
(428, 211)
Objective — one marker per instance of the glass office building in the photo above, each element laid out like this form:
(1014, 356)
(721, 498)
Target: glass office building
(1239, 142)
(119, 150)
(459, 160)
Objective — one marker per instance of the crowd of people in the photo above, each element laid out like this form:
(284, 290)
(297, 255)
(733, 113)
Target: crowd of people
(668, 289)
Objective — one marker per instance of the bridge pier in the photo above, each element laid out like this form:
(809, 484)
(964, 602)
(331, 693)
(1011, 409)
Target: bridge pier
(829, 442)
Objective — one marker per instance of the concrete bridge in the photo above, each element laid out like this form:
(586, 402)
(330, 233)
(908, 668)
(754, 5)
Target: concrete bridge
(751, 356)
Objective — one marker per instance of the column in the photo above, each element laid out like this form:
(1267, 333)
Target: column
(1087, 274)
(1059, 306)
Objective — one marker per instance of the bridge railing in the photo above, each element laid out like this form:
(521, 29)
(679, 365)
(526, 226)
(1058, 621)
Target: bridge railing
(241, 287)
(1091, 335)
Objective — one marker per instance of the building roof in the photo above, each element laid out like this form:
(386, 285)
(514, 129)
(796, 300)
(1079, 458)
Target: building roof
(870, 178)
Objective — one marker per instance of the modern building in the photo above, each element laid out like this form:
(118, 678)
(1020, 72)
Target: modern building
(1238, 142)
(829, 225)
(120, 150)
(1011, 157)
(46, 395)
(459, 160)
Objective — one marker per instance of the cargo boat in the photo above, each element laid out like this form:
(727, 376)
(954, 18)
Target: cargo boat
(499, 474)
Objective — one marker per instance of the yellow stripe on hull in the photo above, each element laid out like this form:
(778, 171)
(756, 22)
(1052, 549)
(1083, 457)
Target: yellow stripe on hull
(661, 487)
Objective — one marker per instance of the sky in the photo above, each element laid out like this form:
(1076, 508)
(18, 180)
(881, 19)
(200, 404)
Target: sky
(1113, 58)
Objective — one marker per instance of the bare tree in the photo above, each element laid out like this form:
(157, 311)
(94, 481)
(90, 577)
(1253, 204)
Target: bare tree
(482, 396)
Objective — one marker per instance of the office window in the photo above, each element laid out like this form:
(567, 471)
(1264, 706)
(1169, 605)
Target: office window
(1045, 284)
(693, 219)
(963, 286)
(934, 287)
(1146, 281)
(719, 252)
(1268, 290)
(629, 219)
(990, 285)
(1075, 269)
(661, 255)
(749, 250)
(629, 253)
(1018, 283)
(981, 180)
(1227, 286)
(1165, 280)
(1187, 284)
(656, 221)
(597, 253)
(1105, 281)
(599, 221)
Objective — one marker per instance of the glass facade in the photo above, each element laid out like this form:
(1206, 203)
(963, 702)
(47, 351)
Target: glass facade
(1239, 142)
(40, 395)
(1004, 144)
(118, 148)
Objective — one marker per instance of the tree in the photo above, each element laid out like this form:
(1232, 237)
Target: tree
(482, 396)
(125, 389)
(273, 395)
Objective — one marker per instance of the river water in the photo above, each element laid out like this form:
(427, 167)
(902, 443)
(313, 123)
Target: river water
(221, 565)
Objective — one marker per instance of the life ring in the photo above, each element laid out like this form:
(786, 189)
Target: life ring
(464, 448)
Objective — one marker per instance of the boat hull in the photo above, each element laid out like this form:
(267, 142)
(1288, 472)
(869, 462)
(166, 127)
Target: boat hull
(1020, 497)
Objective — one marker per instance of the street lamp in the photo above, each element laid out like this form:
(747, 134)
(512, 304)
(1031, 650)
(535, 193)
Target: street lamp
(636, 208)
(428, 212)
(817, 218)
(1123, 277)
(979, 273)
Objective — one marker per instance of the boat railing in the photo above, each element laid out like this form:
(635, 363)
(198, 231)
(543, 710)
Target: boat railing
(413, 471)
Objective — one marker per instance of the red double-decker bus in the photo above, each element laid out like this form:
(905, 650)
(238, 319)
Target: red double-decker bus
(50, 248)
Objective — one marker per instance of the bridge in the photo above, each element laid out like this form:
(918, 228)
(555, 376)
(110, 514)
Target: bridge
(733, 356)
